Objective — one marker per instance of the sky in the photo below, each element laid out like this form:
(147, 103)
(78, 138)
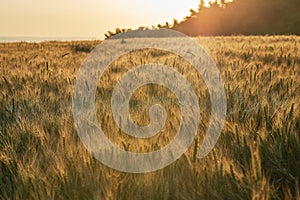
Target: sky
(85, 18)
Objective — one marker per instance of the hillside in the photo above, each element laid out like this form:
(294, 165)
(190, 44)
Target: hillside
(247, 17)
(239, 17)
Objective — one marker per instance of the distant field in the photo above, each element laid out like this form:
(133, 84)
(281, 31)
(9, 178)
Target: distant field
(256, 157)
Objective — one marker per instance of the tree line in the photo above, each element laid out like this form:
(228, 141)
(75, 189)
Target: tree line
(246, 17)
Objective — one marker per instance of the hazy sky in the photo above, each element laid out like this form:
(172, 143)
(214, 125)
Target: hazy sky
(85, 18)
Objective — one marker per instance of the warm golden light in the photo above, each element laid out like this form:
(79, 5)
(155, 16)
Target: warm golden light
(90, 18)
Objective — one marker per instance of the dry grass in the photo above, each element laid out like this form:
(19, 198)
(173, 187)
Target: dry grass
(256, 157)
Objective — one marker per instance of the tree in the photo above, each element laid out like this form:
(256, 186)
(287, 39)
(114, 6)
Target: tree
(243, 17)
(238, 17)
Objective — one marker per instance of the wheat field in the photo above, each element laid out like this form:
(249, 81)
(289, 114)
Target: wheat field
(257, 155)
